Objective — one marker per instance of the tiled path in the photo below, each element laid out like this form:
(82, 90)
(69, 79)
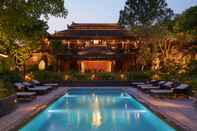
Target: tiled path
(179, 111)
(27, 110)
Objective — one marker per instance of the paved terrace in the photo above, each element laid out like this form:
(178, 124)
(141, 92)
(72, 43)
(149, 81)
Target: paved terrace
(27, 110)
(179, 111)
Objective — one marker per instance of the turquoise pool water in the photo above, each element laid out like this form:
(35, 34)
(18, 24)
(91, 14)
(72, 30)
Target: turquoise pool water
(96, 110)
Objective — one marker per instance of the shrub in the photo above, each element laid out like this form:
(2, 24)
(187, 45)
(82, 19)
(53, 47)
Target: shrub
(193, 68)
(139, 75)
(6, 88)
(105, 76)
(11, 77)
(48, 75)
(194, 83)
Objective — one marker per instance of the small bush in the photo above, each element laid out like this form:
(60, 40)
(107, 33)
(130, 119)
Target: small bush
(48, 75)
(139, 75)
(194, 83)
(11, 77)
(6, 88)
(105, 76)
(193, 68)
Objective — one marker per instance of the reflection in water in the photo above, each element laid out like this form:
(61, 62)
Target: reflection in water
(137, 115)
(78, 118)
(96, 115)
(96, 119)
(113, 116)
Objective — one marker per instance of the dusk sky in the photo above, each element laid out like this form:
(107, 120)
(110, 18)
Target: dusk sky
(102, 11)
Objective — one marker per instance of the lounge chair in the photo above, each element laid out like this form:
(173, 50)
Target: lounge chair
(33, 85)
(179, 89)
(183, 89)
(152, 86)
(19, 86)
(161, 91)
(37, 89)
(25, 96)
(38, 83)
(137, 84)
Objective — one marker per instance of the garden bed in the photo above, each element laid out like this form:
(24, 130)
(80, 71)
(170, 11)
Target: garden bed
(7, 104)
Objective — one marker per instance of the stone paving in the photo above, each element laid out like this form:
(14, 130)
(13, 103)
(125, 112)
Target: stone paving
(179, 111)
(25, 111)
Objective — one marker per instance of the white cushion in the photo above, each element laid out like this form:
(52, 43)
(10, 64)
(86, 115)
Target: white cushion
(169, 83)
(19, 85)
(161, 82)
(27, 83)
(161, 91)
(35, 81)
(182, 86)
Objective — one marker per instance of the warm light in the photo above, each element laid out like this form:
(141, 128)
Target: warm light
(96, 119)
(42, 65)
(93, 77)
(122, 76)
(66, 77)
(96, 116)
(98, 66)
(96, 41)
(5, 56)
(34, 58)
(28, 77)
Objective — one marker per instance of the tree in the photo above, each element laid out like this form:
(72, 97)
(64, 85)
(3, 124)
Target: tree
(144, 13)
(187, 22)
(23, 23)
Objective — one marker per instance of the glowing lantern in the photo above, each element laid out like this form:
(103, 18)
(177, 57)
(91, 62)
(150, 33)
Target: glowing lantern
(42, 65)
(66, 77)
(122, 76)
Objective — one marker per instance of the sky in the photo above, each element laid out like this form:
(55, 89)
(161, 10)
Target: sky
(102, 11)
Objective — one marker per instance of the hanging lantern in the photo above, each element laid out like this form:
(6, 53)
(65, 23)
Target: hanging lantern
(42, 65)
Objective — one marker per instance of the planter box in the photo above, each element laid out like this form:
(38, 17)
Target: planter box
(7, 105)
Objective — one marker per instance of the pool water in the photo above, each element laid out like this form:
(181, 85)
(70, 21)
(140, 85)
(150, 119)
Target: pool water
(96, 110)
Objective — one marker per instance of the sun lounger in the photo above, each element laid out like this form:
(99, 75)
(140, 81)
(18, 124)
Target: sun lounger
(39, 90)
(167, 85)
(162, 91)
(31, 88)
(151, 86)
(19, 86)
(179, 89)
(51, 85)
(25, 96)
(183, 89)
(137, 84)
(31, 85)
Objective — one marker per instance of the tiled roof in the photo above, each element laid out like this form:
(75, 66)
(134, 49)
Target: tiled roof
(93, 31)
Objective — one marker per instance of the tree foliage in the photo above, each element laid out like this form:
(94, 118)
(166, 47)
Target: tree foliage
(144, 13)
(187, 21)
(24, 22)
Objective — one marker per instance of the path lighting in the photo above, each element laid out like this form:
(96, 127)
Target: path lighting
(42, 65)
(66, 77)
(93, 76)
(122, 76)
(4, 56)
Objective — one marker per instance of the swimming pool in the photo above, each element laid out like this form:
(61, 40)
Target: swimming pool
(96, 110)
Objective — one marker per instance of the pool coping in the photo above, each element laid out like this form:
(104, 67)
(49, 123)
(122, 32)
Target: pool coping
(15, 125)
(168, 119)
(39, 110)
(162, 115)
